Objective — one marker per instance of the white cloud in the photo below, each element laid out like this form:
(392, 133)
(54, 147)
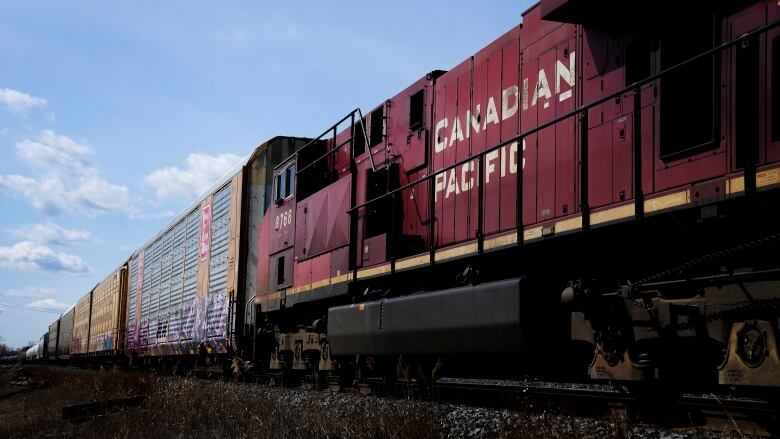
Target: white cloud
(28, 292)
(50, 233)
(20, 103)
(52, 151)
(65, 180)
(202, 171)
(48, 304)
(28, 255)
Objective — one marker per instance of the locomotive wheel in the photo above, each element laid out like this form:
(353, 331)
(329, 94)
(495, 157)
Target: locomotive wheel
(752, 358)
(752, 345)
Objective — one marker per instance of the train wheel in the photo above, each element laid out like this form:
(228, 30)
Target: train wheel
(752, 358)
(612, 362)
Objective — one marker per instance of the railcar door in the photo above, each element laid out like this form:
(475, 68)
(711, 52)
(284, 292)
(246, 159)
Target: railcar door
(689, 147)
(282, 243)
(746, 82)
(549, 75)
(773, 83)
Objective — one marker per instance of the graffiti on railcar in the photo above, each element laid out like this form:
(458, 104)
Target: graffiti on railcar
(198, 320)
(217, 312)
(205, 232)
(106, 341)
(75, 346)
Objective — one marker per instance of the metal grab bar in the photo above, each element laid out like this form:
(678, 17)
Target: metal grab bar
(365, 136)
(337, 146)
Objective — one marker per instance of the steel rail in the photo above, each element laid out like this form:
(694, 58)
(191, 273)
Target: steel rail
(621, 394)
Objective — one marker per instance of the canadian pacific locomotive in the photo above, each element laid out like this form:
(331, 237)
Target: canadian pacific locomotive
(590, 195)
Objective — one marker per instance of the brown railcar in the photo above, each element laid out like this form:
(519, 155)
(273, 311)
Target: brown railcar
(107, 316)
(65, 335)
(81, 319)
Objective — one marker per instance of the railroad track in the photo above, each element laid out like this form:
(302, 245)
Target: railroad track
(464, 390)
(718, 410)
(759, 415)
(639, 402)
(534, 388)
(609, 393)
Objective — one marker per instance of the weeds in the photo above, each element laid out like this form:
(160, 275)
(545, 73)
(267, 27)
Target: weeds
(191, 408)
(178, 407)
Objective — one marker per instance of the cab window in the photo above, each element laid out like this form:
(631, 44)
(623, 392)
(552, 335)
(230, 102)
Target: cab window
(284, 183)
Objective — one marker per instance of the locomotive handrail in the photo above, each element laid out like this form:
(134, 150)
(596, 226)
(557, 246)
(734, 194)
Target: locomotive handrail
(318, 138)
(365, 136)
(329, 129)
(633, 87)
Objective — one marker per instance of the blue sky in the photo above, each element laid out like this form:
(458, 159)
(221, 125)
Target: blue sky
(114, 117)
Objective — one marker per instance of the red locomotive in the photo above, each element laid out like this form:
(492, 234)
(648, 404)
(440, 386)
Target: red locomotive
(580, 197)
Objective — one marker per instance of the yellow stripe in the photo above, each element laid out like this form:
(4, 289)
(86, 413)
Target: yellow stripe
(532, 233)
(612, 214)
(308, 287)
(734, 185)
(668, 201)
(568, 224)
(763, 178)
(373, 271)
(342, 278)
(320, 283)
(414, 261)
(500, 241)
(768, 177)
(455, 252)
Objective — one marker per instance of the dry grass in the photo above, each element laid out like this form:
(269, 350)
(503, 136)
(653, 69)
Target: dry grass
(190, 408)
(37, 411)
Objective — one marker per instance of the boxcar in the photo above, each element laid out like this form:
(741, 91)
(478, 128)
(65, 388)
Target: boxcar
(107, 316)
(183, 284)
(53, 340)
(65, 335)
(81, 318)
